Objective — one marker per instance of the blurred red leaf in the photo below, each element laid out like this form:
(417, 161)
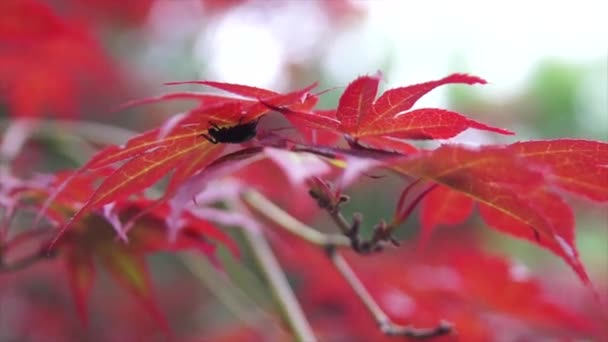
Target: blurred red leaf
(49, 63)
(94, 238)
(459, 285)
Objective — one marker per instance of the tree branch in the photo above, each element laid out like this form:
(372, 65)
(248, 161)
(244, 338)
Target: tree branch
(288, 303)
(387, 326)
(269, 211)
(262, 206)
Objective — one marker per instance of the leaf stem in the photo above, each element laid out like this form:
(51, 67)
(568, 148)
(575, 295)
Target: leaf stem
(387, 326)
(288, 304)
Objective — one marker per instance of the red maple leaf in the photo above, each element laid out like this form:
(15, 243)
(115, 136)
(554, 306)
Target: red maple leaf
(382, 122)
(181, 148)
(515, 187)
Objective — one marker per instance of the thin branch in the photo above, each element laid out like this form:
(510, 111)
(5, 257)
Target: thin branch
(345, 227)
(288, 304)
(387, 326)
(332, 201)
(265, 208)
(268, 210)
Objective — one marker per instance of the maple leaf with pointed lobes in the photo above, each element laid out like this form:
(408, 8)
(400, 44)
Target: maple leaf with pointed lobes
(179, 147)
(513, 196)
(381, 122)
(574, 165)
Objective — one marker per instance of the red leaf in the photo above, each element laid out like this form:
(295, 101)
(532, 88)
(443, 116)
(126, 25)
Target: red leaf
(443, 206)
(356, 102)
(313, 120)
(240, 111)
(498, 179)
(316, 133)
(228, 114)
(189, 166)
(426, 123)
(49, 63)
(94, 238)
(359, 116)
(547, 207)
(578, 166)
(144, 170)
(81, 276)
(152, 159)
(238, 89)
(299, 99)
(398, 100)
(388, 144)
(137, 174)
(202, 99)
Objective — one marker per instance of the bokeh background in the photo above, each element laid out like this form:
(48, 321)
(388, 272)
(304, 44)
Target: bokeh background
(546, 63)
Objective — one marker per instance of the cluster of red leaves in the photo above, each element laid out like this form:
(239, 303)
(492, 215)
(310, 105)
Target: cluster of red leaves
(48, 63)
(93, 239)
(518, 188)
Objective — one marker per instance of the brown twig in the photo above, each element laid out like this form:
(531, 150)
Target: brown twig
(332, 204)
(387, 326)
